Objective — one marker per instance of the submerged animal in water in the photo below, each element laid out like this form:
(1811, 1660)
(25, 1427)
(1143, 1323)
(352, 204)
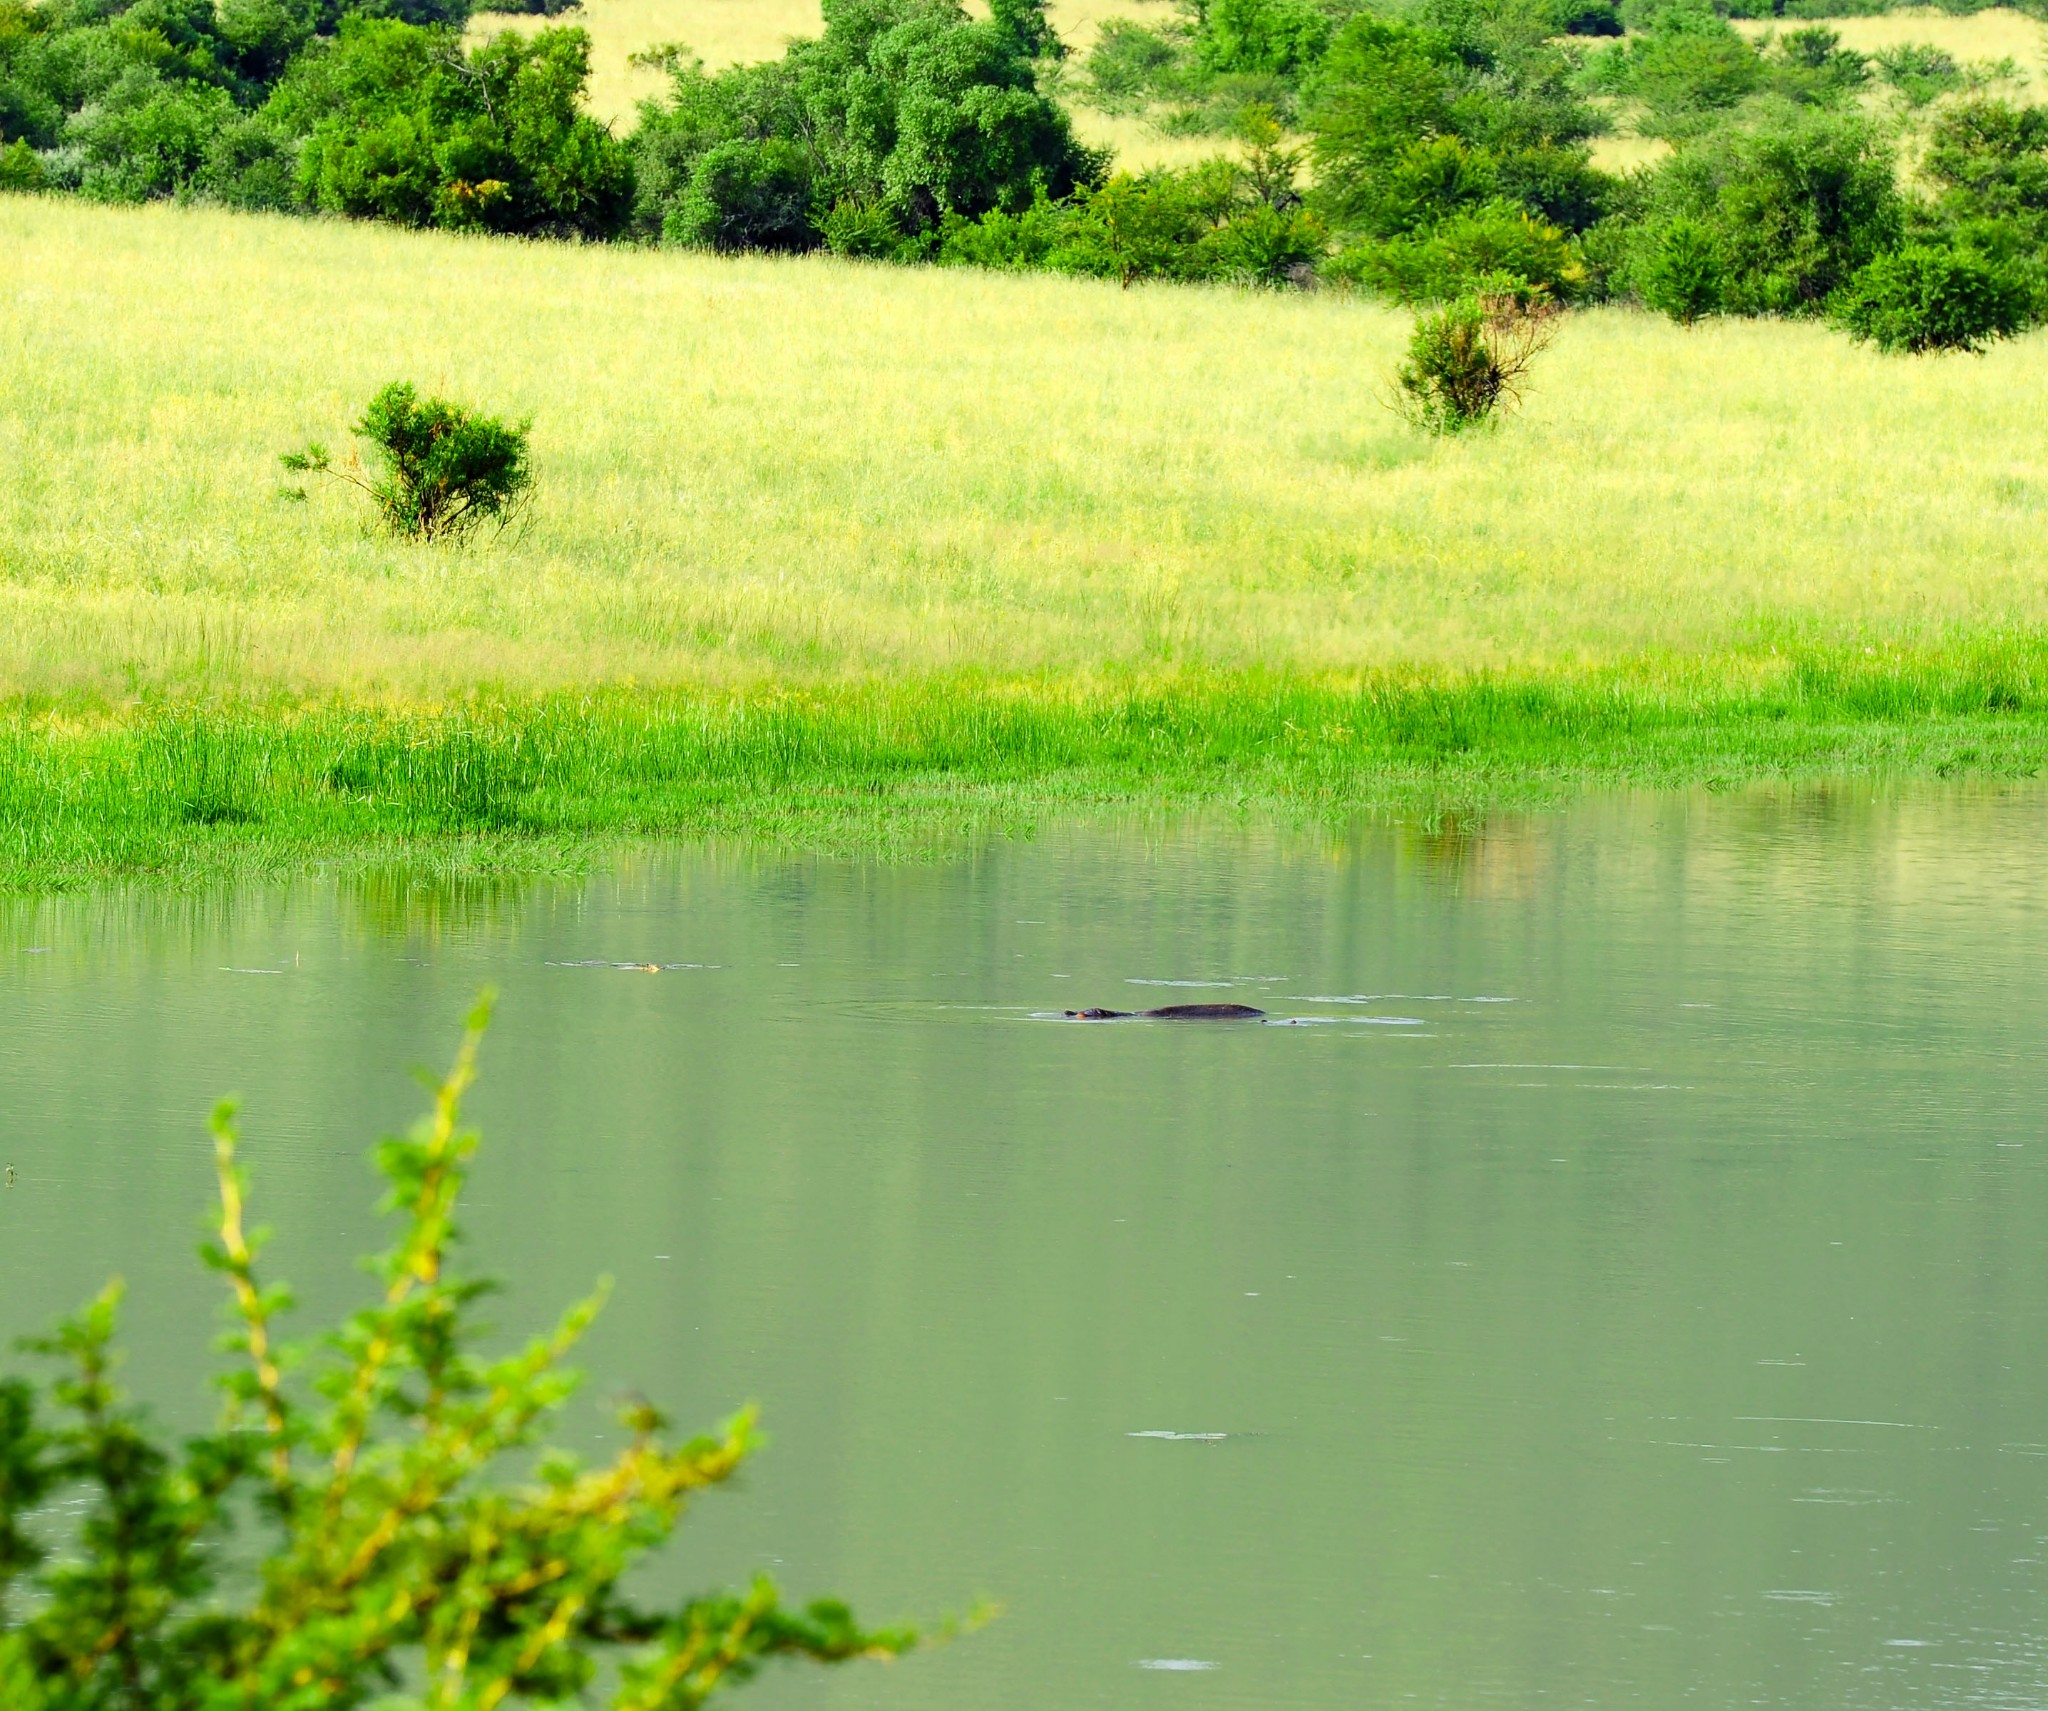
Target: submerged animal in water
(1173, 1013)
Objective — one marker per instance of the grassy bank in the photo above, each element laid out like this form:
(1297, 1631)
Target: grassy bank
(192, 792)
(832, 551)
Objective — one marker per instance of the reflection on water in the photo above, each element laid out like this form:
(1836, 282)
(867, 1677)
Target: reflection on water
(1631, 1294)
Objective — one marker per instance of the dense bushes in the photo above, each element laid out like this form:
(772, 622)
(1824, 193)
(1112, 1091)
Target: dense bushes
(1930, 297)
(398, 123)
(372, 109)
(1410, 148)
(906, 112)
(1786, 213)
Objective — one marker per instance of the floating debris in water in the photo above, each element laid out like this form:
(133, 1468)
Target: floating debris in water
(1177, 1663)
(1183, 1437)
(631, 967)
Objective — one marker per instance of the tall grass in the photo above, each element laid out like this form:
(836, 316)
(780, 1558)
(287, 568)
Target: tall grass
(823, 546)
(185, 791)
(802, 471)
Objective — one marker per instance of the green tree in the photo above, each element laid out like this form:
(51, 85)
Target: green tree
(1795, 206)
(1681, 274)
(1930, 297)
(909, 105)
(394, 1568)
(400, 123)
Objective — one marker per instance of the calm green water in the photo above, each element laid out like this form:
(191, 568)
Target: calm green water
(1628, 1289)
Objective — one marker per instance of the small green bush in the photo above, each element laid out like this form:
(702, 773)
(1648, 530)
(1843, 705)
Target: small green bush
(1918, 71)
(21, 168)
(1470, 358)
(1929, 297)
(447, 469)
(1681, 275)
(858, 226)
(390, 1567)
(1498, 239)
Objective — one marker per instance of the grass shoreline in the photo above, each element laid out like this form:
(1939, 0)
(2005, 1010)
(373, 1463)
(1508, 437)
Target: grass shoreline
(190, 792)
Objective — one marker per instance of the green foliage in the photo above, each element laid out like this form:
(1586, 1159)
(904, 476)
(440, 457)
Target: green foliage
(1496, 240)
(1793, 207)
(1029, 30)
(904, 105)
(1919, 71)
(1385, 90)
(1134, 64)
(1989, 158)
(1928, 297)
(126, 100)
(389, 1556)
(868, 231)
(1470, 359)
(447, 469)
(401, 124)
(1680, 274)
(21, 168)
(1222, 220)
(746, 195)
(1691, 61)
(1452, 151)
(1277, 37)
(1811, 65)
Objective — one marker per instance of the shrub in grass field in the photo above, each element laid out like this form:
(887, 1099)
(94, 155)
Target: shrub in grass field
(1470, 359)
(21, 168)
(447, 469)
(388, 1567)
(1929, 297)
(1681, 274)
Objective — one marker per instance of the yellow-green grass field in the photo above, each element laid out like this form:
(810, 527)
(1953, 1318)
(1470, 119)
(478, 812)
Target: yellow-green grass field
(1996, 34)
(829, 526)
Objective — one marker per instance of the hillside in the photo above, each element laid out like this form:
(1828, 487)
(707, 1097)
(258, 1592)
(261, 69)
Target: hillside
(826, 550)
(812, 470)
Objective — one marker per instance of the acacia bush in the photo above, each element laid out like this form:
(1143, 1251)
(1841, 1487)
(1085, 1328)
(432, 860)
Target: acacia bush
(1680, 272)
(403, 124)
(1929, 297)
(447, 471)
(339, 1538)
(1471, 358)
(1789, 208)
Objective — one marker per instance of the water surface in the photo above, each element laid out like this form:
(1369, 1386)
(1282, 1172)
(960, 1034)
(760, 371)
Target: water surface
(1624, 1286)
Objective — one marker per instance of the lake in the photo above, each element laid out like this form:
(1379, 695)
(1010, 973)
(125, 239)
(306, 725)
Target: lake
(1620, 1284)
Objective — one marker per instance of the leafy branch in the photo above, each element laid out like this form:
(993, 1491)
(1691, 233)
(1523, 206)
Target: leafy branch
(390, 1556)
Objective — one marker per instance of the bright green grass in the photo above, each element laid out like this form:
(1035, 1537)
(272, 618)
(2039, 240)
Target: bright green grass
(854, 554)
(188, 793)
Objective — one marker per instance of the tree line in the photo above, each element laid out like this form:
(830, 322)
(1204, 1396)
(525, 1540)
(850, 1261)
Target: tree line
(1417, 149)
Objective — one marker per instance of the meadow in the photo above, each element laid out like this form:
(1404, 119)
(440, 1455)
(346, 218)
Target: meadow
(979, 529)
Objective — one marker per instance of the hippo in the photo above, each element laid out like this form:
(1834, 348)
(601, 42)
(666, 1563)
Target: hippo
(1173, 1013)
